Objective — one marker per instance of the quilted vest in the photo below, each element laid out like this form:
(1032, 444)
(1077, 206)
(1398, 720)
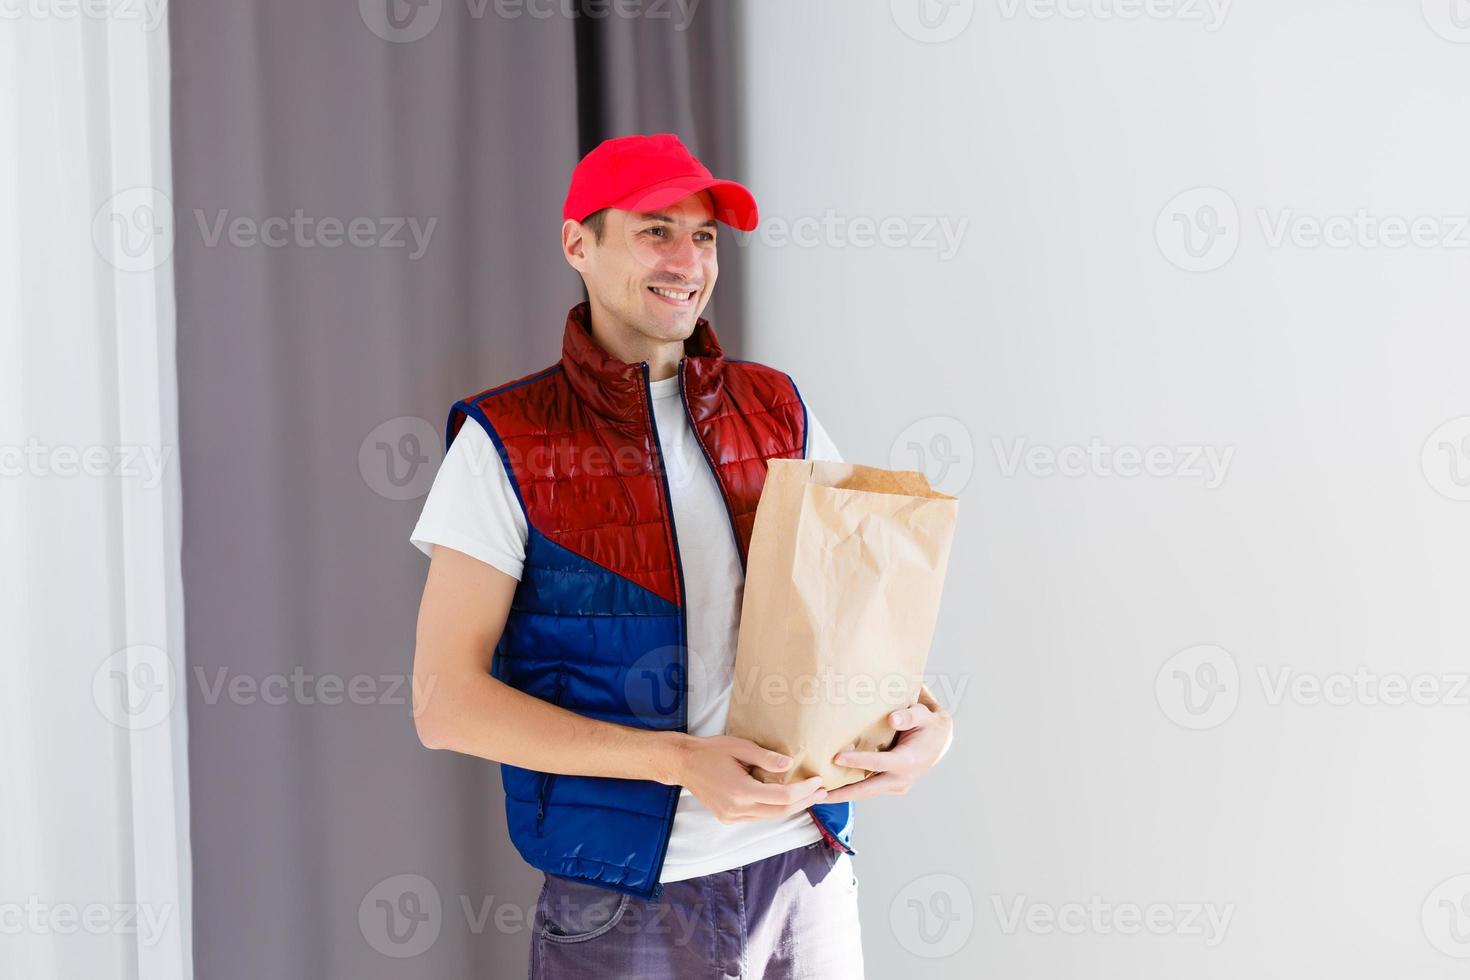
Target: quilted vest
(597, 624)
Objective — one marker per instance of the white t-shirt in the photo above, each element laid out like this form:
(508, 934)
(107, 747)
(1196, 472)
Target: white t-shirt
(473, 509)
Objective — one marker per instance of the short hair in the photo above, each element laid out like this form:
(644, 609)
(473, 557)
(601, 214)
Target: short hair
(597, 221)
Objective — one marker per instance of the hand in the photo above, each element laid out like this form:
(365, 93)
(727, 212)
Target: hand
(924, 733)
(716, 769)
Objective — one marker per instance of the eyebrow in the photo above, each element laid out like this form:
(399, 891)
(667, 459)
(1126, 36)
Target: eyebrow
(660, 216)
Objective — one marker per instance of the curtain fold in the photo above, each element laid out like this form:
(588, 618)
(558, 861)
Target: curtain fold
(314, 383)
(96, 861)
(673, 69)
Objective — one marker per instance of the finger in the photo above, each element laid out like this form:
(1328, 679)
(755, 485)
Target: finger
(752, 754)
(911, 717)
(777, 794)
(767, 811)
(865, 788)
(871, 761)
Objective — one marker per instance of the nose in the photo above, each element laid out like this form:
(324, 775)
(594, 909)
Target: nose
(682, 258)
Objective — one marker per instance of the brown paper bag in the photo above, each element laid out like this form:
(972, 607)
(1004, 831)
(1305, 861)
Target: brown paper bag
(842, 587)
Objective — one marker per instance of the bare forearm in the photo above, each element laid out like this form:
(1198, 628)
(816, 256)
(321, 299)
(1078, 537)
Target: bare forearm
(481, 716)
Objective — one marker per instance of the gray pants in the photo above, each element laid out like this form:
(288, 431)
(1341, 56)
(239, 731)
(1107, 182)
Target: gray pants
(788, 916)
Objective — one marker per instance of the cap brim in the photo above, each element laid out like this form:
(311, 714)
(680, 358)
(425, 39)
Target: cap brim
(734, 205)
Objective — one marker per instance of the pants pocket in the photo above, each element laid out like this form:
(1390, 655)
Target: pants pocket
(575, 912)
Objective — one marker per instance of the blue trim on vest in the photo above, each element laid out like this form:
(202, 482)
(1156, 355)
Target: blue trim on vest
(472, 410)
(806, 425)
(584, 638)
(713, 472)
(658, 451)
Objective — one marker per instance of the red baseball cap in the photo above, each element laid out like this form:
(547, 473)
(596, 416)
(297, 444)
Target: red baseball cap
(641, 173)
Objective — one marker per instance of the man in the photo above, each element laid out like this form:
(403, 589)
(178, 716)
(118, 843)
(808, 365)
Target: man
(589, 526)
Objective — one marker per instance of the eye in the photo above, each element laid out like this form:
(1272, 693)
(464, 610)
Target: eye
(706, 236)
(658, 230)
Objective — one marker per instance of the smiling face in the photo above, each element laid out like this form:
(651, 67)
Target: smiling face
(652, 274)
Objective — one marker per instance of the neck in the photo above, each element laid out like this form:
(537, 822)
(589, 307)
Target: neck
(627, 344)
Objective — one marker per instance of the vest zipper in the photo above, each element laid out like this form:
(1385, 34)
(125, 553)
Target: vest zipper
(541, 799)
(827, 835)
(668, 499)
(719, 485)
(547, 778)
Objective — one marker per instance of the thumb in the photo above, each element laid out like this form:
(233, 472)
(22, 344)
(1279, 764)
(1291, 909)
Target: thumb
(752, 754)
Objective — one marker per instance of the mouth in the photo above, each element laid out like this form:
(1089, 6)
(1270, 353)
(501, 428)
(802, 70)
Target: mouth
(675, 297)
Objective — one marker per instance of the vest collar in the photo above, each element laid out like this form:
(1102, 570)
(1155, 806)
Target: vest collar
(614, 388)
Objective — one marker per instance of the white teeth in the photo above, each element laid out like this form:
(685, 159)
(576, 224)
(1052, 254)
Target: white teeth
(671, 294)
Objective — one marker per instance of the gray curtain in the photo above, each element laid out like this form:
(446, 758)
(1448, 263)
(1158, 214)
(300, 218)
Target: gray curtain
(317, 359)
(654, 74)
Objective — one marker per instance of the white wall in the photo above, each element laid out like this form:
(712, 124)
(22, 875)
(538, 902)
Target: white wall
(1326, 832)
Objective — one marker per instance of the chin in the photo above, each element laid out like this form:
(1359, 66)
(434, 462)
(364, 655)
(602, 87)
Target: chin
(672, 324)
(678, 331)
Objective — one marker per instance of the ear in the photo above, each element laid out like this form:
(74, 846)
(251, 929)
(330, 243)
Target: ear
(574, 244)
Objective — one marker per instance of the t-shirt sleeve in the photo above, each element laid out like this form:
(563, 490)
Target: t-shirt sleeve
(819, 445)
(472, 506)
